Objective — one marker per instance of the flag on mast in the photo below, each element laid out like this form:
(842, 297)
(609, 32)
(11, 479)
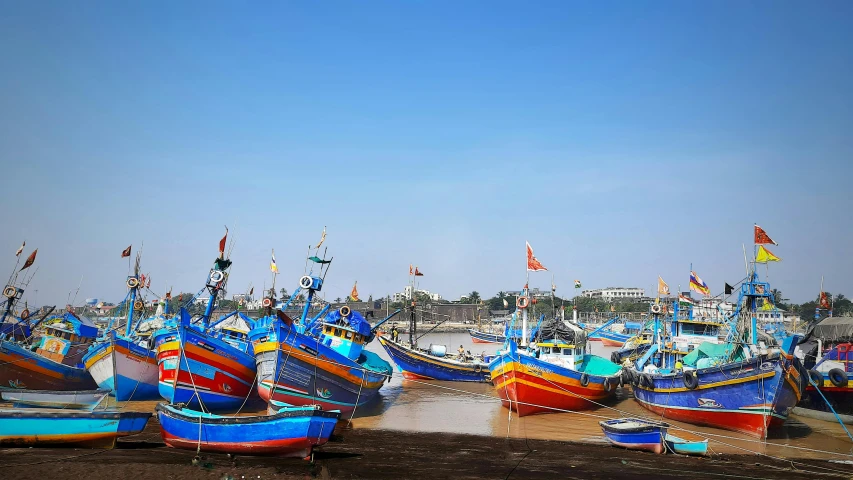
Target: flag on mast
(577, 284)
(354, 294)
(764, 255)
(824, 300)
(533, 265)
(411, 269)
(761, 237)
(126, 252)
(322, 238)
(30, 260)
(698, 286)
(663, 288)
(418, 272)
(222, 244)
(21, 250)
(273, 266)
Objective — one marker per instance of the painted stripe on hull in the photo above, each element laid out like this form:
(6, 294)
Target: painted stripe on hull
(292, 447)
(128, 375)
(649, 447)
(751, 423)
(22, 368)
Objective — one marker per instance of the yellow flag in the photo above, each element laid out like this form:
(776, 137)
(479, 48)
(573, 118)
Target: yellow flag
(354, 294)
(767, 305)
(663, 288)
(765, 255)
(273, 266)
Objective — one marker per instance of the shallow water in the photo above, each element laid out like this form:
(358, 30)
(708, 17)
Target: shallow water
(459, 407)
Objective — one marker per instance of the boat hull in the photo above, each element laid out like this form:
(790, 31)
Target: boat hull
(745, 397)
(485, 337)
(650, 440)
(529, 386)
(48, 427)
(301, 371)
(293, 433)
(23, 368)
(192, 365)
(419, 365)
(128, 370)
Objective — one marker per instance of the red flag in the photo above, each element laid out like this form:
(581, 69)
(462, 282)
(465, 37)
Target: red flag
(126, 252)
(418, 272)
(251, 291)
(761, 237)
(180, 296)
(533, 264)
(148, 285)
(824, 302)
(20, 250)
(30, 260)
(169, 294)
(222, 244)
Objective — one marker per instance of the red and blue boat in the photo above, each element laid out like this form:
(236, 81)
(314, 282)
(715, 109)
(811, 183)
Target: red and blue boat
(289, 432)
(555, 374)
(320, 360)
(735, 385)
(201, 365)
(54, 360)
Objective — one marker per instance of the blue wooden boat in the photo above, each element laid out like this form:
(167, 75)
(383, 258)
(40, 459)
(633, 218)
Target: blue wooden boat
(736, 384)
(635, 433)
(28, 427)
(686, 447)
(125, 362)
(435, 364)
(74, 399)
(291, 432)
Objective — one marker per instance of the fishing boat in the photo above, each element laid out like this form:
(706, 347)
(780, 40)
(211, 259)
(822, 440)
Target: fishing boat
(36, 427)
(320, 360)
(435, 363)
(199, 364)
(555, 374)
(679, 445)
(289, 432)
(480, 336)
(75, 400)
(828, 354)
(735, 384)
(53, 360)
(125, 363)
(635, 434)
(607, 336)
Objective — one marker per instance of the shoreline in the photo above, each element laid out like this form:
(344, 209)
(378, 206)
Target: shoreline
(390, 454)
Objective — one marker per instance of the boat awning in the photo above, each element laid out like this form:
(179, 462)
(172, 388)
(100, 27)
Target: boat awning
(834, 329)
(552, 344)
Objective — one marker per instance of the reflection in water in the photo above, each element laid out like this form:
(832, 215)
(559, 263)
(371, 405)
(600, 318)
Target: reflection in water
(474, 408)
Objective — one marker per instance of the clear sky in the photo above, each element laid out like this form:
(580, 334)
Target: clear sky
(622, 139)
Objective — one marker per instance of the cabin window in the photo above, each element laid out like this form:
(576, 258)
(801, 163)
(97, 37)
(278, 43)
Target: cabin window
(546, 350)
(567, 351)
(348, 335)
(337, 332)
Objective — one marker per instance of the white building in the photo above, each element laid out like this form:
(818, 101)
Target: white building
(610, 294)
(406, 294)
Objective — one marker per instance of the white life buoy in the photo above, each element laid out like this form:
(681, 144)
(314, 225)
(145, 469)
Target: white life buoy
(522, 302)
(132, 282)
(9, 291)
(345, 311)
(306, 282)
(655, 308)
(267, 302)
(216, 276)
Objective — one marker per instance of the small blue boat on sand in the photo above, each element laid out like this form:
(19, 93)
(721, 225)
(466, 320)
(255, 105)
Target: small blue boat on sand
(635, 434)
(686, 447)
(74, 399)
(291, 432)
(35, 427)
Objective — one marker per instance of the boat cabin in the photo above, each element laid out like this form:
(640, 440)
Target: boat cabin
(235, 337)
(343, 340)
(560, 353)
(66, 339)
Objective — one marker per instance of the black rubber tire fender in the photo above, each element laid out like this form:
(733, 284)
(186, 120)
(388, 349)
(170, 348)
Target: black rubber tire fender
(584, 379)
(815, 378)
(838, 377)
(691, 381)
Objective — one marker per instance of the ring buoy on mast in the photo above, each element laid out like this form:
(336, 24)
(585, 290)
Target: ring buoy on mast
(522, 302)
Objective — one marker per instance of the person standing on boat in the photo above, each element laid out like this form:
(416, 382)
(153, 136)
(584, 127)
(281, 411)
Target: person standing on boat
(679, 366)
(461, 352)
(395, 334)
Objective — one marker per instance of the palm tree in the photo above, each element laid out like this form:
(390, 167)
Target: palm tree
(283, 292)
(776, 295)
(473, 297)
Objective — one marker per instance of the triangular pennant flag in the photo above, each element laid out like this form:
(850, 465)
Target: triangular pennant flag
(322, 238)
(418, 272)
(354, 294)
(30, 260)
(126, 252)
(222, 244)
(316, 259)
(729, 289)
(764, 255)
(273, 266)
(533, 265)
(21, 250)
(761, 237)
(411, 271)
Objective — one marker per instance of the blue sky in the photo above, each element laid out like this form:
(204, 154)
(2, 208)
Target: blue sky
(622, 139)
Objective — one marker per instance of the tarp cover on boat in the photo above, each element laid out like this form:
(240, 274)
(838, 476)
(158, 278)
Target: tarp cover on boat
(556, 328)
(834, 329)
(712, 351)
(356, 321)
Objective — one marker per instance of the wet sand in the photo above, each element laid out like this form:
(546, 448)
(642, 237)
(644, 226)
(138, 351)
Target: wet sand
(383, 454)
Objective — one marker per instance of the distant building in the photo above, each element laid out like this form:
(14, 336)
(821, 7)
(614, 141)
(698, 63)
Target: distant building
(406, 294)
(241, 298)
(611, 294)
